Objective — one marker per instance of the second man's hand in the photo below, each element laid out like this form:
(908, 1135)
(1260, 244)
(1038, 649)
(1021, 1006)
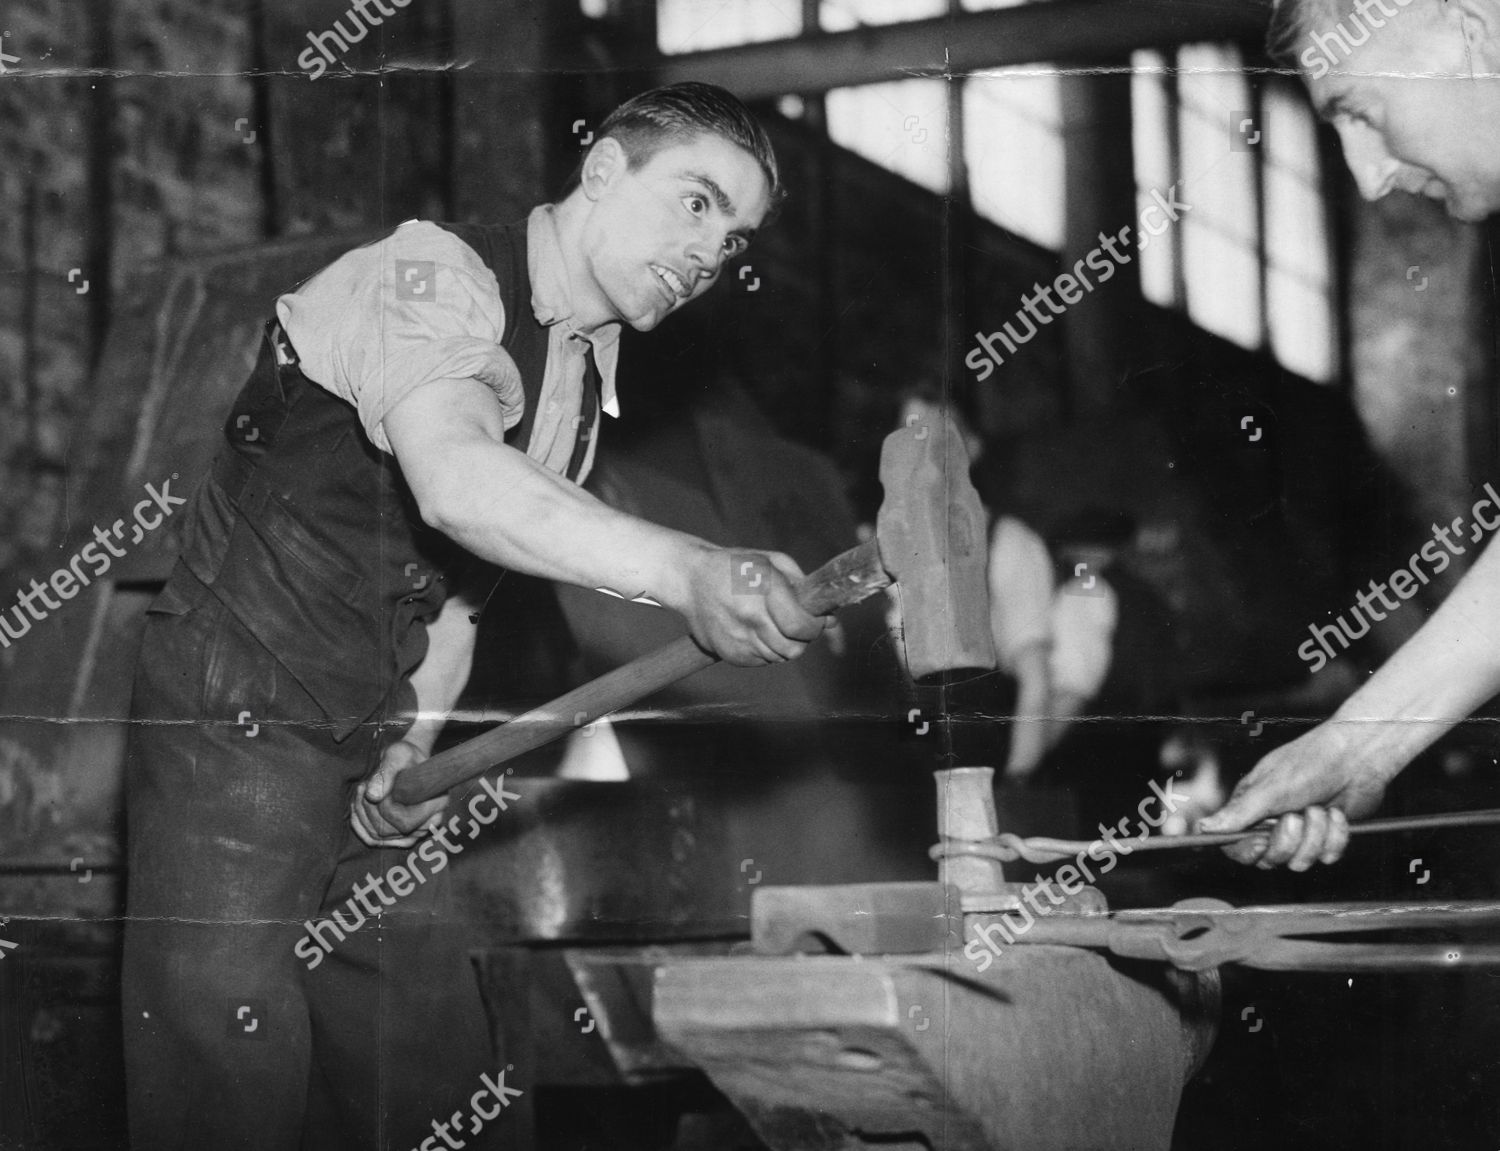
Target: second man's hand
(1316, 784)
(750, 617)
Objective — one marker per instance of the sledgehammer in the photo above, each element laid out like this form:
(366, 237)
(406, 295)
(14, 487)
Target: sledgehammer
(929, 540)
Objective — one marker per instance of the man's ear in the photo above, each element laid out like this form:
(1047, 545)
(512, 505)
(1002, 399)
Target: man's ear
(603, 167)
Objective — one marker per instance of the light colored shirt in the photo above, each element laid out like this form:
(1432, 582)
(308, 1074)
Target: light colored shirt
(421, 305)
(1020, 579)
(1085, 613)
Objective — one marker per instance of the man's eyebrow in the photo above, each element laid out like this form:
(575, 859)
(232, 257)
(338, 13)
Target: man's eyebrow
(726, 205)
(720, 198)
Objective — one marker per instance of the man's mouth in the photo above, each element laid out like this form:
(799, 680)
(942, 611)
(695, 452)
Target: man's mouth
(674, 283)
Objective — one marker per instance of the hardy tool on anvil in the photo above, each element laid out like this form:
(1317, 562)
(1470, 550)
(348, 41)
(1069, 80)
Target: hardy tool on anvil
(929, 540)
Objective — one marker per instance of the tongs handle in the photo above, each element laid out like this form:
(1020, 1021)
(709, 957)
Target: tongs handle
(1198, 934)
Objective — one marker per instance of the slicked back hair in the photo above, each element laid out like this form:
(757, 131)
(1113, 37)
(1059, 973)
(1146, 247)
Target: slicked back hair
(651, 121)
(1294, 21)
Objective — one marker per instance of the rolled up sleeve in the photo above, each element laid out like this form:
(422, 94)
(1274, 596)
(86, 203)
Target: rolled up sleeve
(390, 317)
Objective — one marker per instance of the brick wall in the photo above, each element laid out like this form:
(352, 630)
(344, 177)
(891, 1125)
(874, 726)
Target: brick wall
(134, 131)
(44, 233)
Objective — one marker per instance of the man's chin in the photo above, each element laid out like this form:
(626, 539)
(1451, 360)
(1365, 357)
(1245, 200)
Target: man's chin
(647, 321)
(651, 316)
(1467, 215)
(1469, 211)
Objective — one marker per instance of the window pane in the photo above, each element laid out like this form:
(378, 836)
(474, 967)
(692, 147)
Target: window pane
(1014, 152)
(902, 126)
(1221, 264)
(1150, 116)
(697, 25)
(1299, 288)
(842, 15)
(1301, 326)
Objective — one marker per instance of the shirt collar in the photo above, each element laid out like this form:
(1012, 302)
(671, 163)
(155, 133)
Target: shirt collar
(552, 300)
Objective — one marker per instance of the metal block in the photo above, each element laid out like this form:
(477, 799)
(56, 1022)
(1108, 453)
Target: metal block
(856, 919)
(1050, 1049)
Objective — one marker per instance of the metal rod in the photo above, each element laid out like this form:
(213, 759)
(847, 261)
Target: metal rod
(1041, 849)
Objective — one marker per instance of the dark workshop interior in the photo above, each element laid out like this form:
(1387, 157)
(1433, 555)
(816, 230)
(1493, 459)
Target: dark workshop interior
(1228, 431)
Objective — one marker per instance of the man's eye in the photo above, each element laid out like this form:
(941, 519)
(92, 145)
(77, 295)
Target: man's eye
(734, 246)
(697, 205)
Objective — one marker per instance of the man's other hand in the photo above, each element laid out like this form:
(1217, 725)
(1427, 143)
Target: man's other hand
(741, 607)
(379, 819)
(1316, 785)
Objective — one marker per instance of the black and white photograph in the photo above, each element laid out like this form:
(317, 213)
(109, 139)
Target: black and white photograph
(1013, 666)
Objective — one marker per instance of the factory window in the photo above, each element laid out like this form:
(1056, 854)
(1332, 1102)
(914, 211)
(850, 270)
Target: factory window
(698, 25)
(1012, 140)
(842, 15)
(1299, 290)
(1249, 257)
(1012, 143)
(901, 125)
(1013, 150)
(1151, 144)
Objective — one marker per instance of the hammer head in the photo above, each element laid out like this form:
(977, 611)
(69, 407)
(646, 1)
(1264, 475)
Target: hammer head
(931, 532)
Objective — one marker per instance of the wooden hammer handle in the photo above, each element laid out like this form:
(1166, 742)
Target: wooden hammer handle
(846, 579)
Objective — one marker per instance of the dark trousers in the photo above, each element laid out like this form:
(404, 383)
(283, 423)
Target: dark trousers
(237, 834)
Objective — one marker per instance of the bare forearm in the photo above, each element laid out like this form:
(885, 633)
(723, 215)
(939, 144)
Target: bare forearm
(504, 507)
(440, 679)
(471, 486)
(1444, 672)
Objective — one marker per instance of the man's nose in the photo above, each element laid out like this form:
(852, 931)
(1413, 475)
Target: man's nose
(1374, 169)
(707, 255)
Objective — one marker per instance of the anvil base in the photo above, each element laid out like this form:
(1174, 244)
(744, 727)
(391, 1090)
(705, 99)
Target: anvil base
(1049, 1049)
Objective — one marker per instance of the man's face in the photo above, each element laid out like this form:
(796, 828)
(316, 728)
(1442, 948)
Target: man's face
(1414, 112)
(659, 235)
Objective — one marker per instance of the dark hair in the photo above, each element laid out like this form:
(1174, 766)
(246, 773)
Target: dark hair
(646, 123)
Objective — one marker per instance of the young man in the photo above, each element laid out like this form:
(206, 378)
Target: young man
(422, 401)
(1414, 91)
